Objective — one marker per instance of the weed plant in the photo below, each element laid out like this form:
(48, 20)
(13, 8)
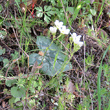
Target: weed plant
(57, 65)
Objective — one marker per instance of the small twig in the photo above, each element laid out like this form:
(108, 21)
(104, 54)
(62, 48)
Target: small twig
(11, 65)
(99, 27)
(34, 31)
(6, 45)
(91, 99)
(84, 56)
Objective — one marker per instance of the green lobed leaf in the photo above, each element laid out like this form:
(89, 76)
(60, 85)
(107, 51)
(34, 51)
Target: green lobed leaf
(1, 58)
(2, 34)
(47, 8)
(46, 18)
(2, 51)
(5, 61)
(53, 60)
(18, 92)
(9, 83)
(39, 9)
(39, 14)
(49, 15)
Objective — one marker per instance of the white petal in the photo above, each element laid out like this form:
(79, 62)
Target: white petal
(80, 44)
(61, 23)
(74, 35)
(67, 31)
(78, 37)
(63, 30)
(53, 29)
(58, 24)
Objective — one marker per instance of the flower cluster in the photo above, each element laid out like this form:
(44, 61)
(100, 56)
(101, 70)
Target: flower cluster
(63, 30)
(60, 26)
(76, 39)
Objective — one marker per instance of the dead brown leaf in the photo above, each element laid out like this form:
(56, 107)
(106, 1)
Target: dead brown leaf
(41, 53)
(3, 104)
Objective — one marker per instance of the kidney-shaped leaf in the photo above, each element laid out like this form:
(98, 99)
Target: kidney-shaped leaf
(18, 92)
(54, 61)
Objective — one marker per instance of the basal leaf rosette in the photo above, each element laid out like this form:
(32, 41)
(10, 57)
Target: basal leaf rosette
(54, 61)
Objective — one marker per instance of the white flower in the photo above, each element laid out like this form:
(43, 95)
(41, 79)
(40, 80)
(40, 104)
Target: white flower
(63, 30)
(53, 30)
(58, 24)
(76, 39)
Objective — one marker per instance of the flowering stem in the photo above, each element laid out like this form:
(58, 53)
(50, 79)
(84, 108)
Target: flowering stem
(70, 47)
(52, 42)
(58, 37)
